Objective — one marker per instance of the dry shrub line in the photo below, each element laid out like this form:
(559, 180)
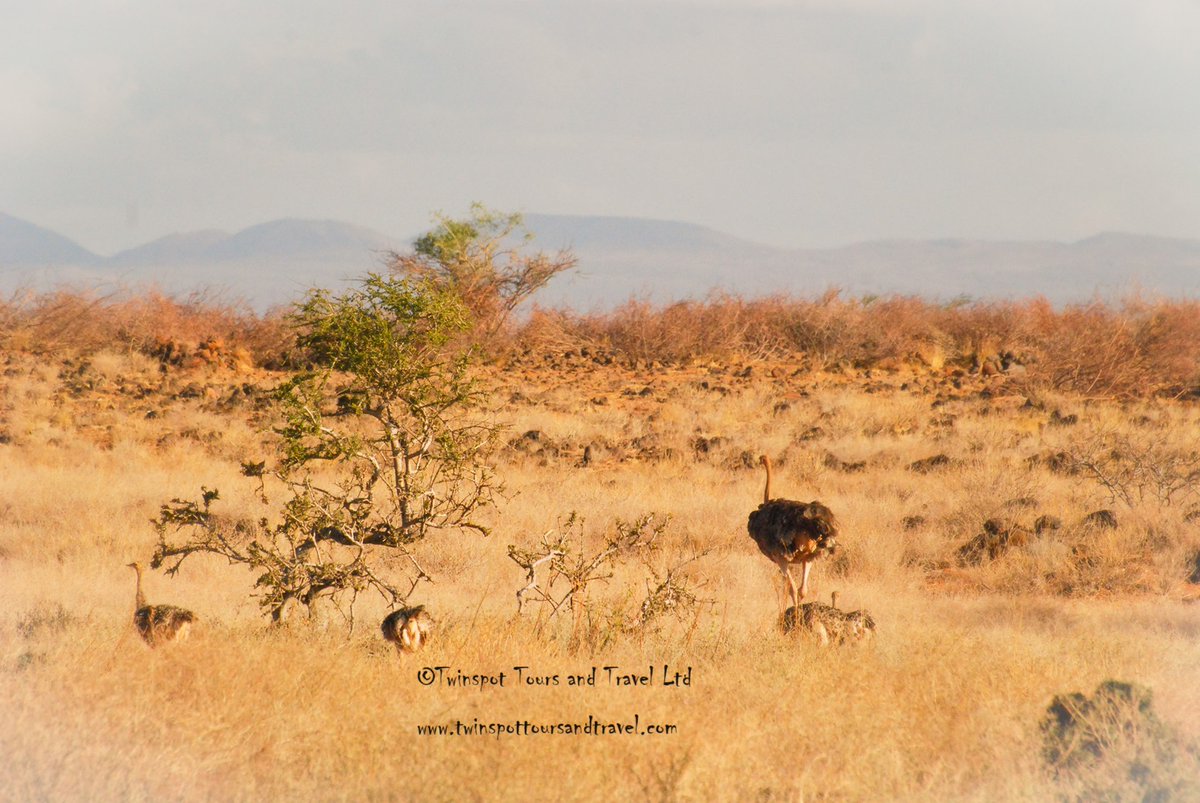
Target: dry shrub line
(86, 320)
(1133, 348)
(571, 567)
(1136, 348)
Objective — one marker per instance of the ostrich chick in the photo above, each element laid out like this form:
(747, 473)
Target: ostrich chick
(159, 624)
(407, 628)
(828, 623)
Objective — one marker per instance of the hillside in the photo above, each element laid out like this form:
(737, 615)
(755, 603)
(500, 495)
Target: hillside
(272, 263)
(25, 245)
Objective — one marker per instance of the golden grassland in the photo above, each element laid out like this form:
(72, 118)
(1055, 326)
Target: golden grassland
(943, 705)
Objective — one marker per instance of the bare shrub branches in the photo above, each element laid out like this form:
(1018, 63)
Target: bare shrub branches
(1138, 467)
(570, 566)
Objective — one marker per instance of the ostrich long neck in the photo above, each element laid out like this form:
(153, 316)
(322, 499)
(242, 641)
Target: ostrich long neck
(140, 600)
(767, 489)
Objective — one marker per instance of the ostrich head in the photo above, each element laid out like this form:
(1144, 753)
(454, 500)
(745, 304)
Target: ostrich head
(825, 527)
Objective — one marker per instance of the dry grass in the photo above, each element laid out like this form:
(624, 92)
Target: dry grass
(945, 705)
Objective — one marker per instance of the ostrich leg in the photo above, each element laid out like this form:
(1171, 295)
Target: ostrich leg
(804, 578)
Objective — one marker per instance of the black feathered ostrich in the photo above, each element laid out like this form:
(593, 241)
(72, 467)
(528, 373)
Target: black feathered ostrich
(791, 532)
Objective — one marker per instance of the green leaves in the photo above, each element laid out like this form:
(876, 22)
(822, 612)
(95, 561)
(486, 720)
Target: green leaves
(465, 241)
(388, 332)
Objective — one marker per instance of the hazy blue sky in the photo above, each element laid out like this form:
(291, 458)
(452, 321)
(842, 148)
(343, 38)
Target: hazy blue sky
(793, 123)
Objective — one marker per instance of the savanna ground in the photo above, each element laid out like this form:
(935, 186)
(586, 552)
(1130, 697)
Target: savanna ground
(945, 704)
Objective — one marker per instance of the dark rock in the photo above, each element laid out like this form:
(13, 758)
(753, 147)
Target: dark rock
(1101, 519)
(837, 464)
(928, 464)
(997, 538)
(1057, 419)
(1046, 523)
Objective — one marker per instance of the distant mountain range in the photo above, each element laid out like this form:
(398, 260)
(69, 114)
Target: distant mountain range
(274, 263)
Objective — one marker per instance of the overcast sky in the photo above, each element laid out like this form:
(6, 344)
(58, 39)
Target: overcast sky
(792, 123)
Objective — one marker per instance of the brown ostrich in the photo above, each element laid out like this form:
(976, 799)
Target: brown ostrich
(159, 624)
(407, 628)
(790, 532)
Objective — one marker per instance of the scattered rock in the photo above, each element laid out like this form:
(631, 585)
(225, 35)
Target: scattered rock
(1046, 523)
(169, 351)
(837, 464)
(998, 536)
(810, 434)
(703, 445)
(1100, 519)
(535, 444)
(1057, 419)
(1054, 462)
(929, 464)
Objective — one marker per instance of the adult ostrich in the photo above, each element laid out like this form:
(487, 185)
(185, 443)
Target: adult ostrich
(790, 532)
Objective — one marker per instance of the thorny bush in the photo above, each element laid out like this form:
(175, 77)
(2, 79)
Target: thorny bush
(572, 563)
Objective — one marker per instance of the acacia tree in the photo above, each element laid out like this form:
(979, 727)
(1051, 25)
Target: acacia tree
(380, 444)
(482, 259)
